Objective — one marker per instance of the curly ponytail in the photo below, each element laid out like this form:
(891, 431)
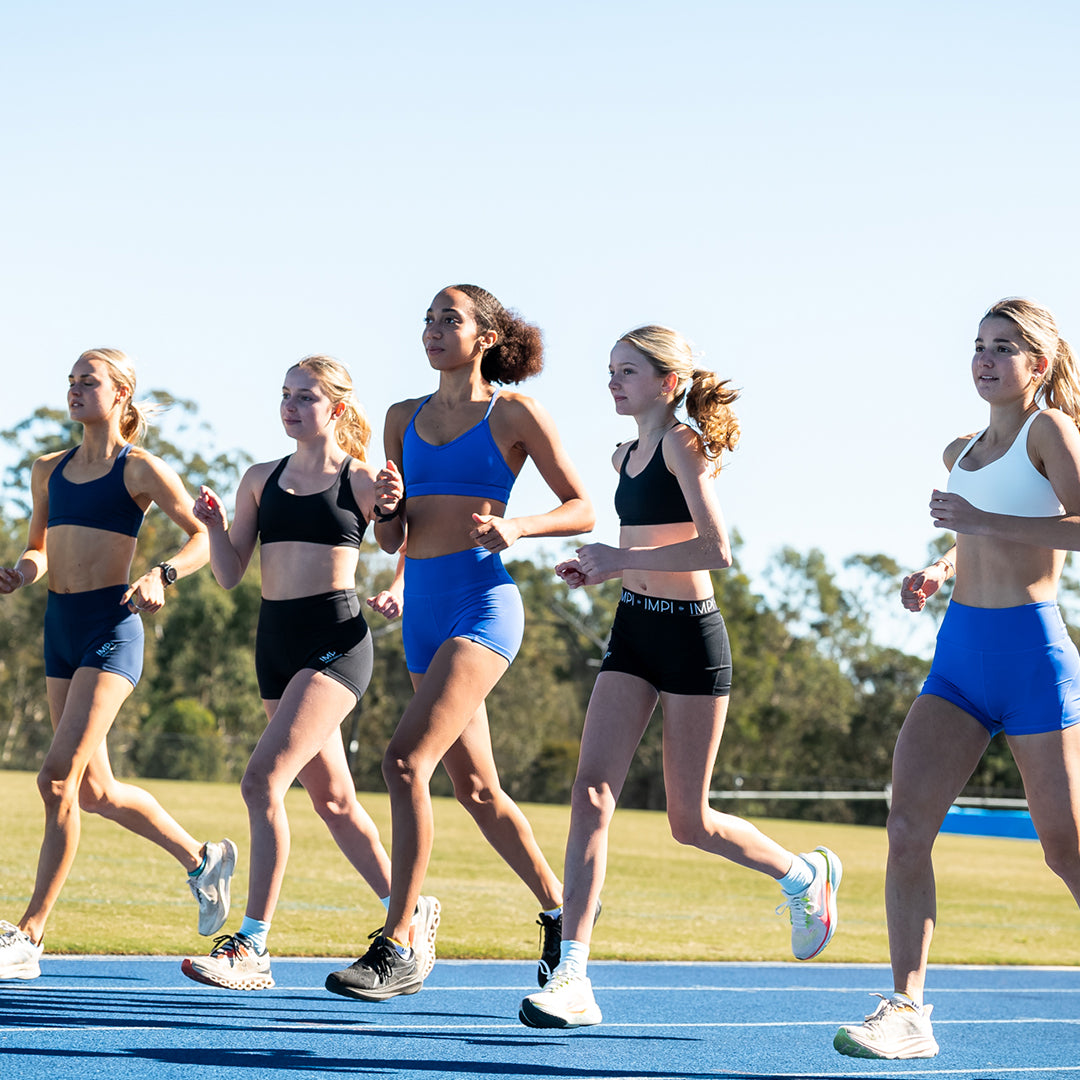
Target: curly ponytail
(352, 430)
(708, 398)
(135, 417)
(518, 352)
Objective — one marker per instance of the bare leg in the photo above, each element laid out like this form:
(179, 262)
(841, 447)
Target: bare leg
(471, 766)
(447, 697)
(302, 738)
(937, 750)
(83, 709)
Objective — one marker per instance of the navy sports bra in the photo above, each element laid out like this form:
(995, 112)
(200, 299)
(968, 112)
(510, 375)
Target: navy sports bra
(653, 497)
(104, 503)
(471, 464)
(331, 517)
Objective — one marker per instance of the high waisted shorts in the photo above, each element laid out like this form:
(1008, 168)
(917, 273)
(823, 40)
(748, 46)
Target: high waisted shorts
(677, 646)
(92, 629)
(325, 632)
(1013, 669)
(466, 594)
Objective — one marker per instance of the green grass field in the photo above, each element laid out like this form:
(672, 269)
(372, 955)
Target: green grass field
(998, 903)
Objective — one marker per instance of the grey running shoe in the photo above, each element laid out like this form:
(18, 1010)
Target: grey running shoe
(897, 1028)
(424, 925)
(380, 974)
(233, 964)
(551, 943)
(813, 913)
(210, 886)
(566, 1002)
(19, 955)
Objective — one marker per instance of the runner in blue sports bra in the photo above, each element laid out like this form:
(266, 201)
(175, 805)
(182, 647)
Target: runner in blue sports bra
(459, 450)
(313, 653)
(669, 644)
(88, 507)
(1004, 660)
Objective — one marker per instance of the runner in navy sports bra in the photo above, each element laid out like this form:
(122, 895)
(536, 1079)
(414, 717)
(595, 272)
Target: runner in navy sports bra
(459, 450)
(88, 507)
(668, 643)
(313, 654)
(1004, 660)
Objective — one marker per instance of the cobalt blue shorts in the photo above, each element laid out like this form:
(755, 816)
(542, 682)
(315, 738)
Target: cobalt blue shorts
(1013, 669)
(467, 594)
(325, 632)
(677, 646)
(92, 629)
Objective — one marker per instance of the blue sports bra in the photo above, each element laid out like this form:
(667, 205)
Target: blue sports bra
(104, 503)
(331, 517)
(653, 497)
(471, 464)
(1009, 485)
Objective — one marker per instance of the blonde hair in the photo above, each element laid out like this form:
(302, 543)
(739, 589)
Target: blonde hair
(1060, 387)
(352, 430)
(708, 398)
(135, 418)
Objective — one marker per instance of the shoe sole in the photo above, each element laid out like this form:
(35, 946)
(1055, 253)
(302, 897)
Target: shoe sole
(846, 1044)
(533, 1017)
(832, 863)
(429, 929)
(24, 972)
(240, 982)
(228, 866)
(376, 994)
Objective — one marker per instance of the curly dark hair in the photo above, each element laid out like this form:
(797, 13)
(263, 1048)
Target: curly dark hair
(518, 352)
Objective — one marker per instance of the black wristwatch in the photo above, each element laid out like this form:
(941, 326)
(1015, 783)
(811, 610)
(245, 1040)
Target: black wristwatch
(168, 574)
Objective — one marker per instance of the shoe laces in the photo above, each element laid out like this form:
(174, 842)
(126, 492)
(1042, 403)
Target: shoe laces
(798, 908)
(230, 945)
(888, 1006)
(560, 979)
(380, 955)
(549, 926)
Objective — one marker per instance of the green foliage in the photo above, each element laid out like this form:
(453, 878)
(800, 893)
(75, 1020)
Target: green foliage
(180, 742)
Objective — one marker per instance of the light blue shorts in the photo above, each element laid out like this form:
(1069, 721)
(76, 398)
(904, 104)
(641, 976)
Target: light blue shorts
(1013, 669)
(466, 594)
(92, 629)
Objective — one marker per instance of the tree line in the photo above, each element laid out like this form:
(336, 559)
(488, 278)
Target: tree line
(816, 701)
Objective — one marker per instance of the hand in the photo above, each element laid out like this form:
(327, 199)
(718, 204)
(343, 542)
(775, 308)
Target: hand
(570, 571)
(387, 604)
(209, 509)
(389, 488)
(494, 533)
(10, 580)
(599, 562)
(917, 588)
(955, 513)
(147, 595)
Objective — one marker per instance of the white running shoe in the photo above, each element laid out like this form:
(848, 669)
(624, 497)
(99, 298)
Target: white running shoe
(897, 1028)
(565, 1002)
(233, 964)
(211, 887)
(813, 913)
(19, 955)
(423, 927)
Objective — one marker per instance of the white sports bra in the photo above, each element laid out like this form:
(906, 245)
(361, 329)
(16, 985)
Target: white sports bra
(1010, 485)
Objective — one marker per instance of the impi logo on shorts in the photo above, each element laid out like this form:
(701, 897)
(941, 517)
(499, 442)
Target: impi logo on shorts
(327, 657)
(107, 648)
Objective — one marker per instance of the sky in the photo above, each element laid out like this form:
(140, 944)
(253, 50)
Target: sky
(823, 198)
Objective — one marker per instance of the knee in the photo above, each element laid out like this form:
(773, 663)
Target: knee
(592, 803)
(911, 839)
(399, 769)
(333, 807)
(478, 797)
(255, 788)
(687, 825)
(1062, 855)
(59, 792)
(94, 799)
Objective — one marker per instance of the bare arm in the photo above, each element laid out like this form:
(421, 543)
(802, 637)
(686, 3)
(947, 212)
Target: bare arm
(231, 548)
(389, 507)
(33, 563)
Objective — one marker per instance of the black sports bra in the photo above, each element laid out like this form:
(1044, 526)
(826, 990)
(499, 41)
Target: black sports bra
(329, 517)
(653, 497)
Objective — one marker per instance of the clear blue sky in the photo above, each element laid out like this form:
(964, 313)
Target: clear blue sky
(823, 197)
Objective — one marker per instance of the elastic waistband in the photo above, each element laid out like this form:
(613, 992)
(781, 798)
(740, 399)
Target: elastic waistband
(459, 569)
(1004, 629)
(659, 605)
(90, 600)
(303, 603)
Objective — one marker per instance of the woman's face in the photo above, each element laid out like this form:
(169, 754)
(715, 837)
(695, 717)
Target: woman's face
(306, 410)
(451, 337)
(1004, 364)
(634, 383)
(92, 395)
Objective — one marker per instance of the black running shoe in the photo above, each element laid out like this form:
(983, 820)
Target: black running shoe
(551, 943)
(380, 974)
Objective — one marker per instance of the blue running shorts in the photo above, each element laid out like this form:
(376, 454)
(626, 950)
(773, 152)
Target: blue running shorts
(466, 594)
(92, 629)
(1013, 669)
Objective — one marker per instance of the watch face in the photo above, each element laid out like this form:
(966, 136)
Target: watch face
(168, 573)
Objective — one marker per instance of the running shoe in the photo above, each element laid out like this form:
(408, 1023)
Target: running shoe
(210, 886)
(380, 974)
(424, 924)
(566, 1002)
(551, 943)
(233, 964)
(897, 1028)
(813, 913)
(19, 955)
